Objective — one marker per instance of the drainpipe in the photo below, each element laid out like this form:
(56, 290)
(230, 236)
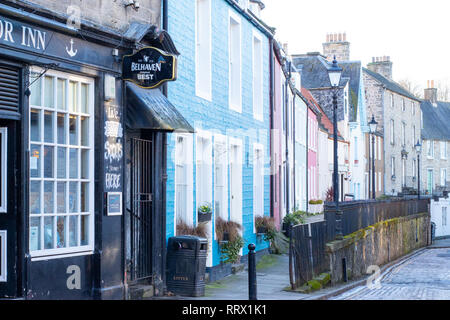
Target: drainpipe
(307, 158)
(272, 103)
(286, 136)
(165, 26)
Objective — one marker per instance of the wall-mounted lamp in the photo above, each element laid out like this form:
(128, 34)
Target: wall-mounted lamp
(135, 4)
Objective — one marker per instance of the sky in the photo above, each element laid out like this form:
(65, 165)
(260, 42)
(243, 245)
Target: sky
(415, 34)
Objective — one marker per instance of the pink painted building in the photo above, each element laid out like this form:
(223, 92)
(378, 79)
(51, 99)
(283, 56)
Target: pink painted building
(313, 137)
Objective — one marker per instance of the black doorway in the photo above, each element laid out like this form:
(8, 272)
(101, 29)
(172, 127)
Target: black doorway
(139, 207)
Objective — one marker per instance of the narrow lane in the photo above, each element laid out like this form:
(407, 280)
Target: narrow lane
(425, 276)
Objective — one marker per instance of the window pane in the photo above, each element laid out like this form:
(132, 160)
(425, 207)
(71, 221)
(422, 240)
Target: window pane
(73, 96)
(61, 94)
(84, 98)
(48, 232)
(84, 197)
(35, 161)
(35, 234)
(61, 119)
(84, 164)
(35, 129)
(84, 131)
(73, 197)
(48, 126)
(48, 162)
(84, 230)
(35, 88)
(48, 197)
(35, 197)
(61, 197)
(61, 162)
(73, 164)
(73, 130)
(61, 232)
(73, 231)
(49, 101)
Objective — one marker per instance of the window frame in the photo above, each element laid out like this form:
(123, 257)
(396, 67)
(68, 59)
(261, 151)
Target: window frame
(236, 20)
(55, 110)
(188, 141)
(205, 93)
(222, 141)
(4, 170)
(443, 174)
(258, 188)
(258, 103)
(443, 147)
(3, 256)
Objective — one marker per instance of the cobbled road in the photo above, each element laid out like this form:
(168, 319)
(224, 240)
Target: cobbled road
(425, 276)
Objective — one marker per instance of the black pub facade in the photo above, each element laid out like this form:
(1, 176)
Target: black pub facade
(82, 198)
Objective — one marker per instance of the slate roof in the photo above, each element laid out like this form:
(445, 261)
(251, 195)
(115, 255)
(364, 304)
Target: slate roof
(390, 84)
(436, 120)
(315, 71)
(323, 120)
(315, 75)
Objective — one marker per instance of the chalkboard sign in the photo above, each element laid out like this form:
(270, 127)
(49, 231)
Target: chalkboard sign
(149, 67)
(113, 148)
(114, 204)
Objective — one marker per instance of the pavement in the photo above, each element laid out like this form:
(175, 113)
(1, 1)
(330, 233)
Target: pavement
(423, 274)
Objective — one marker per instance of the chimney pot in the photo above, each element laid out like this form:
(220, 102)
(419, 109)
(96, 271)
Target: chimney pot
(340, 36)
(345, 36)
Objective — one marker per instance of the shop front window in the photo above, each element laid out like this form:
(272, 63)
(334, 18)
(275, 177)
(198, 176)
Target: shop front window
(61, 164)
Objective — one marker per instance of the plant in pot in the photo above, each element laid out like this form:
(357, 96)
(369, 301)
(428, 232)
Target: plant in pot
(230, 240)
(183, 229)
(265, 225)
(294, 218)
(204, 212)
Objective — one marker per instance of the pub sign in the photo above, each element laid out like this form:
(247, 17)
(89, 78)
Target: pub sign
(149, 67)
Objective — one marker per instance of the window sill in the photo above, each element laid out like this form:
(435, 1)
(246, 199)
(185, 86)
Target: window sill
(204, 95)
(38, 257)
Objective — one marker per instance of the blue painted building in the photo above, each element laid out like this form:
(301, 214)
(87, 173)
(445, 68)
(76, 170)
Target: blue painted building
(222, 89)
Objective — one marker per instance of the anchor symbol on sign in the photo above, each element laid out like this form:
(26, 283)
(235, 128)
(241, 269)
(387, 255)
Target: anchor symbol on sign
(71, 52)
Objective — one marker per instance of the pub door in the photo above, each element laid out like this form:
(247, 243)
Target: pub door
(10, 206)
(139, 207)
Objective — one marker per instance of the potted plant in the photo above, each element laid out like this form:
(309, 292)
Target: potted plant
(226, 230)
(265, 226)
(183, 229)
(294, 218)
(230, 251)
(204, 212)
(315, 206)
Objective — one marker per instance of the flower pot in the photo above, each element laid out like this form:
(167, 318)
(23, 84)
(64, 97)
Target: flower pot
(204, 216)
(261, 230)
(226, 237)
(286, 230)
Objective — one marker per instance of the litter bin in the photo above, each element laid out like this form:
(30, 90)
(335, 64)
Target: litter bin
(186, 265)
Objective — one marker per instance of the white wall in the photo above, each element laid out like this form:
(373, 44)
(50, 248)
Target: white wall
(437, 216)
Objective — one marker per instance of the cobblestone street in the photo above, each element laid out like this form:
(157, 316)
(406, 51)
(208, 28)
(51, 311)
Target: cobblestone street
(425, 276)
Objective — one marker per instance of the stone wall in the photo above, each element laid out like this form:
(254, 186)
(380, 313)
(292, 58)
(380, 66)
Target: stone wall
(108, 13)
(377, 245)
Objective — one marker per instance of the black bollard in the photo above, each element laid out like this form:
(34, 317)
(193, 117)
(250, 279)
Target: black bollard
(252, 272)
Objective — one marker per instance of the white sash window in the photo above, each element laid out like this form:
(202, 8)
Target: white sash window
(61, 164)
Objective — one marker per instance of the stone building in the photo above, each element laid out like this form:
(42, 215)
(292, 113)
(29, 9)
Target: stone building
(398, 114)
(435, 158)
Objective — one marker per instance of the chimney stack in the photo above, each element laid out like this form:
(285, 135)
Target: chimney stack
(381, 65)
(430, 93)
(336, 45)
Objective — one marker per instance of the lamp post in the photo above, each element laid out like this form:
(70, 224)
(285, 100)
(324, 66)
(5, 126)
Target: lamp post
(418, 147)
(334, 73)
(373, 129)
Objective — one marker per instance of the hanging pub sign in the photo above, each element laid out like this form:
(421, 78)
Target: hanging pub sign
(149, 67)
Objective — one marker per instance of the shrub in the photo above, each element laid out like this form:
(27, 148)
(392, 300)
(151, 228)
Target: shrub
(231, 249)
(223, 226)
(295, 218)
(330, 195)
(315, 201)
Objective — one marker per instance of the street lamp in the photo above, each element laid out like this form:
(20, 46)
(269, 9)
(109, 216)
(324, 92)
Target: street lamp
(373, 129)
(418, 147)
(334, 73)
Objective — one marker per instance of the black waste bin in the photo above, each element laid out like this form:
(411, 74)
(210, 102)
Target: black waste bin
(186, 265)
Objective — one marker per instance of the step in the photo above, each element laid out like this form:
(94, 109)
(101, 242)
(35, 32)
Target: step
(140, 292)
